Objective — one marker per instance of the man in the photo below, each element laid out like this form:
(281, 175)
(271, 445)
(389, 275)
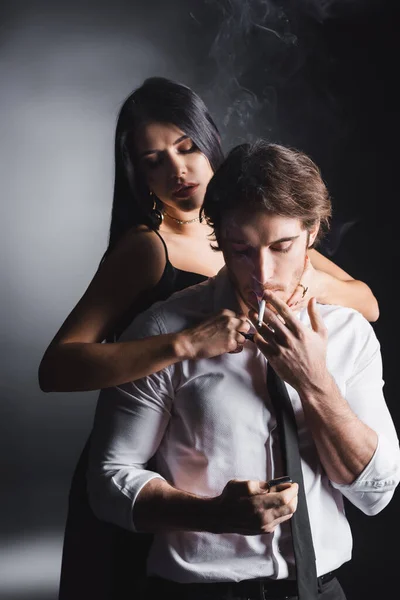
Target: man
(213, 427)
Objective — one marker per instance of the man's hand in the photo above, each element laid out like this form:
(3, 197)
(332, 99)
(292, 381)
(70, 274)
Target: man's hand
(244, 507)
(250, 508)
(296, 352)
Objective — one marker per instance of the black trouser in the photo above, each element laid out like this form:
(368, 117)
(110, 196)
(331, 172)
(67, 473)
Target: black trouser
(329, 588)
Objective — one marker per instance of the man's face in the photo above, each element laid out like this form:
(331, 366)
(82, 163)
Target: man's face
(263, 251)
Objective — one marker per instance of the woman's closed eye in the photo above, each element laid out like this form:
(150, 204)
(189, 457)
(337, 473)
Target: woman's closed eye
(187, 146)
(156, 159)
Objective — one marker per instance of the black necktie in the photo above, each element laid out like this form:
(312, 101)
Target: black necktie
(300, 524)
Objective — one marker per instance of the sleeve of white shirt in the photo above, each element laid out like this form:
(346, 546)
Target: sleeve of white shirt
(129, 425)
(374, 487)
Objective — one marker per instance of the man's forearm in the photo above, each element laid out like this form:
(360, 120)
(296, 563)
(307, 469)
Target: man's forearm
(245, 507)
(160, 507)
(345, 444)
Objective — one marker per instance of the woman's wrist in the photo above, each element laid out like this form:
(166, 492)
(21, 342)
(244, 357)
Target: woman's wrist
(320, 287)
(182, 346)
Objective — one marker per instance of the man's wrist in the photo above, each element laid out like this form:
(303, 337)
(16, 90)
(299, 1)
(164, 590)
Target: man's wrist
(317, 388)
(324, 401)
(161, 507)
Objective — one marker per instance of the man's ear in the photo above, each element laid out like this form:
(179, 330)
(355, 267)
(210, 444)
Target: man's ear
(312, 234)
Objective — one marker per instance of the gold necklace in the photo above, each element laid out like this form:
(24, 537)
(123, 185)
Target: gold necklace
(197, 219)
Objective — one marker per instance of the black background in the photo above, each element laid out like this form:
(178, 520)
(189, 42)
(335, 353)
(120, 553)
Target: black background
(324, 78)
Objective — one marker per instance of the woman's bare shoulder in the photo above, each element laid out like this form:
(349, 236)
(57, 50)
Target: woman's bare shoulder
(140, 252)
(135, 265)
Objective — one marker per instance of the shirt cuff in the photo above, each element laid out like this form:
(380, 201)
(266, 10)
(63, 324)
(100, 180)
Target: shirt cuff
(372, 490)
(113, 501)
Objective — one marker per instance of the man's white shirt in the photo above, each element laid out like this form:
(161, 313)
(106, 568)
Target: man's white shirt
(210, 420)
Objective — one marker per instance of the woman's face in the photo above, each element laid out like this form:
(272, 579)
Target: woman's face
(174, 169)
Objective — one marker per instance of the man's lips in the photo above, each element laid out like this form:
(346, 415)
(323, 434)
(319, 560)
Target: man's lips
(254, 298)
(185, 191)
(258, 294)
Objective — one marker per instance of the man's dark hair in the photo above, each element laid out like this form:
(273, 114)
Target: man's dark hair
(262, 176)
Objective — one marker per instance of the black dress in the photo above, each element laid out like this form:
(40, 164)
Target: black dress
(101, 561)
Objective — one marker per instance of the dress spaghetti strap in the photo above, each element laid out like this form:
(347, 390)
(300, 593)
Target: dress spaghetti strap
(164, 244)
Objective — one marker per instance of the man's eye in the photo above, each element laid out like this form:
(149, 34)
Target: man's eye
(281, 248)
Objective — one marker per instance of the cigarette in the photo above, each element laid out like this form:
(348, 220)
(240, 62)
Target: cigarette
(261, 310)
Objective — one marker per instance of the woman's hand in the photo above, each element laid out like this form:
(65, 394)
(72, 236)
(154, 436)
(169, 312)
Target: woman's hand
(296, 352)
(305, 288)
(216, 335)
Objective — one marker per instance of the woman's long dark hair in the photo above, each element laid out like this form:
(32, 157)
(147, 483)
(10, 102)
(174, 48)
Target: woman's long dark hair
(164, 101)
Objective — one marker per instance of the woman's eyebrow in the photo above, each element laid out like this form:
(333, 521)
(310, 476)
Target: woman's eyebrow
(178, 141)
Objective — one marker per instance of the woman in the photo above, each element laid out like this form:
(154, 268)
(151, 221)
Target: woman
(166, 150)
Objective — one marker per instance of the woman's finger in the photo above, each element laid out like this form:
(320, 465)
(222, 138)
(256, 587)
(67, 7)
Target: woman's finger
(315, 317)
(298, 295)
(244, 325)
(238, 349)
(295, 297)
(302, 287)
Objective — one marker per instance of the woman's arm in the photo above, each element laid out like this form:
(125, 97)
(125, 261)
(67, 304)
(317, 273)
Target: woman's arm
(76, 360)
(84, 366)
(332, 285)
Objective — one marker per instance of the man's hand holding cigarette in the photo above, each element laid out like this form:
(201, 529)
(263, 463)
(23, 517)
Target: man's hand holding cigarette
(296, 351)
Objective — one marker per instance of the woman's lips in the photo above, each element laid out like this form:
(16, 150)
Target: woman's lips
(186, 191)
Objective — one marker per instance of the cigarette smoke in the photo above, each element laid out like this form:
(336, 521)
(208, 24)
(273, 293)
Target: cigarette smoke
(264, 85)
(249, 51)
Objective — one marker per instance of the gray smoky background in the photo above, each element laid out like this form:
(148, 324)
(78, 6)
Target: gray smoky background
(317, 75)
